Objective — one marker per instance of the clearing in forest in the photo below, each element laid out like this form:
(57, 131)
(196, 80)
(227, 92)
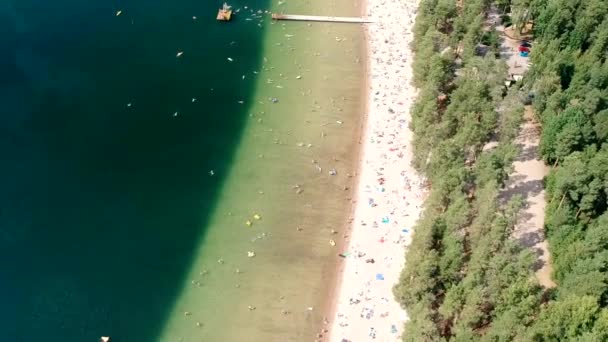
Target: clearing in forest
(527, 180)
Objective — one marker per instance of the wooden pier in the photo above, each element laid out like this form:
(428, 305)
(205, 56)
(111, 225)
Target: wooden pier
(356, 20)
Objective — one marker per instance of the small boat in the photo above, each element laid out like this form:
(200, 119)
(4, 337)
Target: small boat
(224, 13)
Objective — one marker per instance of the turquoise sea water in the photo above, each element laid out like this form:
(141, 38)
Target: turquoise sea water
(103, 189)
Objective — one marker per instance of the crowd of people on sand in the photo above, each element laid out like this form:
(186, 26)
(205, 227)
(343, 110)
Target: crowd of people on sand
(390, 193)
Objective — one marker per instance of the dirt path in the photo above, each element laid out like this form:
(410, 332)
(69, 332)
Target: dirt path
(526, 180)
(528, 169)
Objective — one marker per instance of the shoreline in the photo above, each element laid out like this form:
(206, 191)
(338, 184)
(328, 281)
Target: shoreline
(359, 137)
(351, 317)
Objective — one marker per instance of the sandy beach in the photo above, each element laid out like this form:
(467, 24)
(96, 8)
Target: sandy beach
(389, 193)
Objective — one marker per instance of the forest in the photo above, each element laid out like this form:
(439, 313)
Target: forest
(466, 278)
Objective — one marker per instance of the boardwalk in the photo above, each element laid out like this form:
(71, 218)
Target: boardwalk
(357, 20)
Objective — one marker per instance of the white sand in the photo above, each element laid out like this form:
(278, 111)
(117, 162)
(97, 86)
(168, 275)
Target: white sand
(389, 195)
(526, 180)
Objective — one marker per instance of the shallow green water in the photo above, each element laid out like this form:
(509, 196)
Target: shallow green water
(103, 203)
(317, 117)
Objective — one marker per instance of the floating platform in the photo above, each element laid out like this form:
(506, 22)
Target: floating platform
(224, 13)
(356, 20)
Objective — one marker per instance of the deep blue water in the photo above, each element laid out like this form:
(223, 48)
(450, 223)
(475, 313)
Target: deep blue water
(102, 203)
